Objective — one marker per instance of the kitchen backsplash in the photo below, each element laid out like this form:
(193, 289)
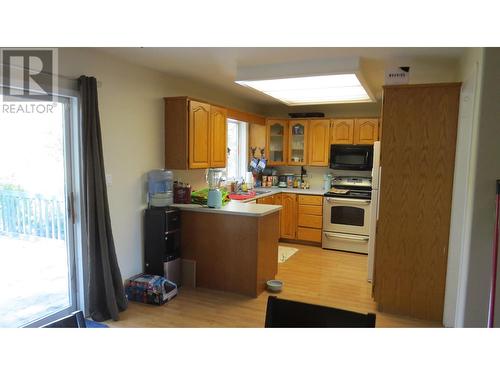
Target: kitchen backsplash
(315, 174)
(196, 177)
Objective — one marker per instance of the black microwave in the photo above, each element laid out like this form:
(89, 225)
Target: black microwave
(351, 157)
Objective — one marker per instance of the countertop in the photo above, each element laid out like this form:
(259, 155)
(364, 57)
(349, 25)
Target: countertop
(233, 208)
(277, 190)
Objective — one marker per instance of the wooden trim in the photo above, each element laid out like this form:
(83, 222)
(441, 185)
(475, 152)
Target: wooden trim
(236, 114)
(441, 84)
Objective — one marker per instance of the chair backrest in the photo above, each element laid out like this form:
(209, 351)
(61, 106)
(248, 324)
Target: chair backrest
(282, 313)
(75, 320)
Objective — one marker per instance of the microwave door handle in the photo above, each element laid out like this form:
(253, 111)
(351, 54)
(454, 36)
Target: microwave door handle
(346, 237)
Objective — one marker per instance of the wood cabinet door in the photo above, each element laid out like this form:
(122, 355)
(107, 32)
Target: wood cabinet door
(288, 215)
(266, 200)
(218, 137)
(257, 140)
(297, 146)
(319, 142)
(342, 132)
(365, 131)
(279, 201)
(199, 135)
(277, 141)
(417, 160)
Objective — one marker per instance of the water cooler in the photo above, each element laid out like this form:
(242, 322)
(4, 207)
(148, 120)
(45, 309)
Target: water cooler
(162, 234)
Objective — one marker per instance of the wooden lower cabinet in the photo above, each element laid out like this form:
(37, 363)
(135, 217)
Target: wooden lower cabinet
(301, 216)
(309, 234)
(288, 216)
(310, 218)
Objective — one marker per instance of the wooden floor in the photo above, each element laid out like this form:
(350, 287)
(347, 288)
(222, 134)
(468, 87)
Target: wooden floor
(330, 278)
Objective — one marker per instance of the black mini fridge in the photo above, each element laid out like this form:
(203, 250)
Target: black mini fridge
(162, 243)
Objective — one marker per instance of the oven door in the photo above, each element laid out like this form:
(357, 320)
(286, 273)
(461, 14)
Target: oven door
(346, 215)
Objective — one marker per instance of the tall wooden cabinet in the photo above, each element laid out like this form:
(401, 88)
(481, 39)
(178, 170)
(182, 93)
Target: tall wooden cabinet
(417, 160)
(195, 134)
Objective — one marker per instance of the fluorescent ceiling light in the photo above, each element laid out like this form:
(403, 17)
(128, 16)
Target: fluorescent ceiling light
(324, 89)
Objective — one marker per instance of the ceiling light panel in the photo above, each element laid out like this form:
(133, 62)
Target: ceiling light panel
(338, 88)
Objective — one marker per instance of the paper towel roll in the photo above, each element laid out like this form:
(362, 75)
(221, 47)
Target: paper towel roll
(249, 180)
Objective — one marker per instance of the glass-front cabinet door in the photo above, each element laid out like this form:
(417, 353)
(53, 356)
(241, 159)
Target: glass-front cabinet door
(298, 141)
(277, 137)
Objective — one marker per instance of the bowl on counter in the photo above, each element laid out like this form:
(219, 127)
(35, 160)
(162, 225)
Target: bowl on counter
(274, 285)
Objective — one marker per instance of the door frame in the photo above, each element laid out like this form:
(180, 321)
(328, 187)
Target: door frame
(74, 204)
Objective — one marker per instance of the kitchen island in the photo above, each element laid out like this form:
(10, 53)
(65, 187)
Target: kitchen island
(235, 247)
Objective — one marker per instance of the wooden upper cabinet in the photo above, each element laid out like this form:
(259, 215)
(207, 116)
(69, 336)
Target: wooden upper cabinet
(342, 132)
(218, 137)
(195, 134)
(297, 147)
(288, 215)
(365, 131)
(257, 140)
(318, 144)
(277, 141)
(199, 135)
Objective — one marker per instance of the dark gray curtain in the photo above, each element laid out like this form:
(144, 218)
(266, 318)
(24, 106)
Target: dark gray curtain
(106, 292)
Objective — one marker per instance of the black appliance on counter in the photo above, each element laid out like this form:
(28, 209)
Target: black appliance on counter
(162, 243)
(351, 157)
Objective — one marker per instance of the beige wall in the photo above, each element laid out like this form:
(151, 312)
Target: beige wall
(461, 218)
(487, 170)
(131, 109)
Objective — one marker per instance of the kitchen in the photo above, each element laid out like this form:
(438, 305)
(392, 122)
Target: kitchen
(323, 174)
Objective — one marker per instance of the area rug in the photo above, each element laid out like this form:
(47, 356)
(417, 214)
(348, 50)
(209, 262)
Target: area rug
(285, 252)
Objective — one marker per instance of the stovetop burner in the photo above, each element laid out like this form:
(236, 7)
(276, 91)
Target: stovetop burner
(351, 187)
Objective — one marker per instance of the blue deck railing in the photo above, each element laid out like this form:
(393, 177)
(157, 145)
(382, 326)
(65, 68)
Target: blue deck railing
(28, 214)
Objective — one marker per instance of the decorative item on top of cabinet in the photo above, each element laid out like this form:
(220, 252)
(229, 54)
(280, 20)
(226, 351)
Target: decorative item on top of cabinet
(318, 143)
(195, 134)
(277, 141)
(297, 149)
(342, 131)
(365, 131)
(288, 215)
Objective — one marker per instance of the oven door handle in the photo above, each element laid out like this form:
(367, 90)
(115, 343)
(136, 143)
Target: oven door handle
(346, 237)
(346, 200)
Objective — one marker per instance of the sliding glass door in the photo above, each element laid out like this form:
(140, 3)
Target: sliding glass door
(38, 272)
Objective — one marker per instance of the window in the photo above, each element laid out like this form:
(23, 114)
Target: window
(237, 149)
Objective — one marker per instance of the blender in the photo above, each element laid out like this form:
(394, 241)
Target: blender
(214, 179)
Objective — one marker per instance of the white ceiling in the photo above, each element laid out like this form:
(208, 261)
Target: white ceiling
(216, 67)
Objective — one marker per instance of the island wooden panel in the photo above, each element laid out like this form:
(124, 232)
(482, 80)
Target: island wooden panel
(233, 253)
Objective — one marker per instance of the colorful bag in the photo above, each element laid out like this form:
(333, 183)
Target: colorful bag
(152, 289)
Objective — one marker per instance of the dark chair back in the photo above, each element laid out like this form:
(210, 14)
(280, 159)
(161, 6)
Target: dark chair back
(75, 320)
(282, 313)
